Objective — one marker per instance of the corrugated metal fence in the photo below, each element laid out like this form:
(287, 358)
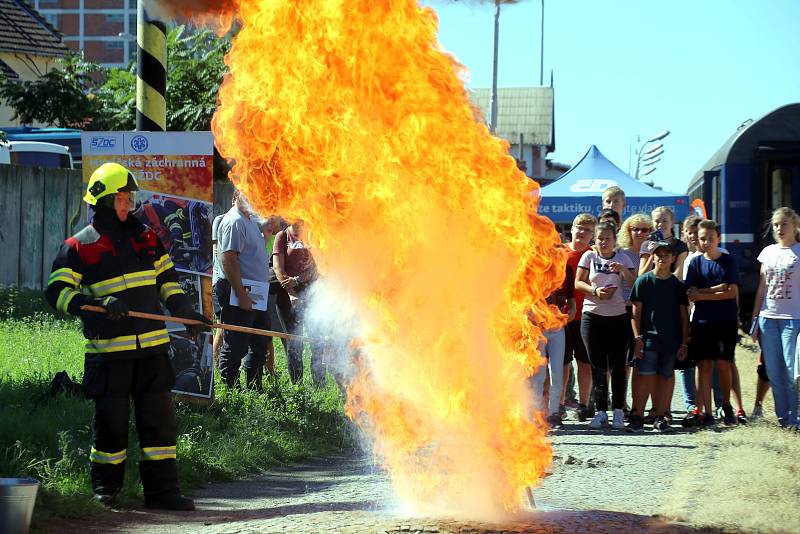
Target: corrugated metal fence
(39, 208)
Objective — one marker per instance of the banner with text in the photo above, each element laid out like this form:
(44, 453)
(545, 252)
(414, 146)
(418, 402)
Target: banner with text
(175, 174)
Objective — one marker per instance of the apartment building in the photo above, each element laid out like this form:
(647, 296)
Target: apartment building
(104, 29)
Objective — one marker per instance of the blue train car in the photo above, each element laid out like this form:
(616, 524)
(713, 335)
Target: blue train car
(754, 172)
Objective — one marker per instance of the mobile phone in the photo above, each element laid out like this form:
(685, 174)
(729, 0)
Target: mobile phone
(658, 235)
(610, 286)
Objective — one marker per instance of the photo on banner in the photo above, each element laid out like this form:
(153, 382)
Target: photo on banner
(183, 226)
(193, 362)
(174, 171)
(191, 284)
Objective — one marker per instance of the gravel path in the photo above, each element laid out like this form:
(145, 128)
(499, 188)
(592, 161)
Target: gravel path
(607, 481)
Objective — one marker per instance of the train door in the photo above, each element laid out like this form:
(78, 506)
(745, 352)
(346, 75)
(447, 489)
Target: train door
(784, 184)
(781, 187)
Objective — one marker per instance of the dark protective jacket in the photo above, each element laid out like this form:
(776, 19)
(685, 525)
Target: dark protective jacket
(177, 222)
(126, 261)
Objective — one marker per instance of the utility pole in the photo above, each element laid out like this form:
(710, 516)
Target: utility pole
(151, 72)
(493, 103)
(541, 52)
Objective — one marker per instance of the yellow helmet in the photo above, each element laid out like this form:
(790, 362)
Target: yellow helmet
(109, 178)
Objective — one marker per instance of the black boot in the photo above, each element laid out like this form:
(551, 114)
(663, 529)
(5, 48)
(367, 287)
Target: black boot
(107, 482)
(169, 501)
(107, 499)
(254, 378)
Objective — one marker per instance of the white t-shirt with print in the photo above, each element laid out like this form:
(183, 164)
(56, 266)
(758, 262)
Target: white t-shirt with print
(600, 274)
(782, 271)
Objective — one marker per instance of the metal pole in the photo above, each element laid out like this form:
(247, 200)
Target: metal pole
(151, 72)
(632, 151)
(493, 111)
(541, 51)
(638, 161)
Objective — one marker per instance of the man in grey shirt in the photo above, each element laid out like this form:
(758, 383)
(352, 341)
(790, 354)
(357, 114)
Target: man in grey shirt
(241, 255)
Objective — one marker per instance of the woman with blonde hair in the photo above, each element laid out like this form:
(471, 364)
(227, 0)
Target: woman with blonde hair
(634, 232)
(777, 312)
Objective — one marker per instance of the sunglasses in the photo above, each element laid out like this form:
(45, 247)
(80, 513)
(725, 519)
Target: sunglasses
(640, 230)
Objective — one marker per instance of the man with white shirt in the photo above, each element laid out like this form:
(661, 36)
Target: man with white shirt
(241, 256)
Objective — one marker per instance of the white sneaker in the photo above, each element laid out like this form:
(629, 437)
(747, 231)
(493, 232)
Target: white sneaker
(619, 419)
(599, 420)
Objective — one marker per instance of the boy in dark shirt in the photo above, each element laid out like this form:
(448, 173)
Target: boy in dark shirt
(660, 325)
(713, 281)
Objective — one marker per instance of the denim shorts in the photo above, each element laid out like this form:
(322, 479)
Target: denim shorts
(655, 362)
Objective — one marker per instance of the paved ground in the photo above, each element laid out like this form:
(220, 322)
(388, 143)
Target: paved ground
(607, 481)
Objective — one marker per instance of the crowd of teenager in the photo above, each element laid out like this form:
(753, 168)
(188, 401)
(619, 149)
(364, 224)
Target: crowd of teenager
(643, 304)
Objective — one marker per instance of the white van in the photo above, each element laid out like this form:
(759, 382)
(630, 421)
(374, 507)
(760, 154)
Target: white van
(35, 153)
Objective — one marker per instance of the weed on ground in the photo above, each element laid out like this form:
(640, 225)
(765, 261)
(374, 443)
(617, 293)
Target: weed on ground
(746, 478)
(48, 437)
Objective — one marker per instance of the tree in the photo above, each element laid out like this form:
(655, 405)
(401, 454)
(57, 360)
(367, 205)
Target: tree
(80, 94)
(64, 97)
(196, 69)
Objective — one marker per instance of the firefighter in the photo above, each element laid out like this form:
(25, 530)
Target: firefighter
(177, 222)
(118, 263)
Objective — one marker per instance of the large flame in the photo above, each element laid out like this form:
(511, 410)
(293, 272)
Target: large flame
(347, 114)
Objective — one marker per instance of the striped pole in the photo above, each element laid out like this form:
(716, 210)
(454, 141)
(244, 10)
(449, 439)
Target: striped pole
(151, 72)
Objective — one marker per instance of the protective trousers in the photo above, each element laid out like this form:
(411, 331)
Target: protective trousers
(111, 384)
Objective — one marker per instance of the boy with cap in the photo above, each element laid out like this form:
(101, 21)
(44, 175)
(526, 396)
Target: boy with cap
(660, 325)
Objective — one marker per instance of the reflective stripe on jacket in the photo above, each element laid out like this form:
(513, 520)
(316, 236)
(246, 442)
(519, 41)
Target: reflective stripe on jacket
(126, 261)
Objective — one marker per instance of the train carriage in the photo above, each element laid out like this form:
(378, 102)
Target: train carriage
(754, 172)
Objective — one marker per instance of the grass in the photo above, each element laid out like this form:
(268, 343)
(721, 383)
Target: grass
(48, 437)
(748, 478)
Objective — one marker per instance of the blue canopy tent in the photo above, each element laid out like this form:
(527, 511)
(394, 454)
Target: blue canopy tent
(580, 188)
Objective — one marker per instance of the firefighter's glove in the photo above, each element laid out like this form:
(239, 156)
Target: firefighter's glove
(115, 308)
(195, 329)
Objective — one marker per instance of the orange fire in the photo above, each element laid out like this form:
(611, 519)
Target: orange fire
(349, 115)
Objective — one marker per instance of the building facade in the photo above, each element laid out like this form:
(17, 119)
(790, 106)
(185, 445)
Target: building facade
(105, 30)
(29, 47)
(526, 120)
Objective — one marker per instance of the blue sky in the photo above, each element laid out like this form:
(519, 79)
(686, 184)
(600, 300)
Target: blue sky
(626, 68)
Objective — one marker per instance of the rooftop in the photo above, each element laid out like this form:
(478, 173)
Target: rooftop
(23, 30)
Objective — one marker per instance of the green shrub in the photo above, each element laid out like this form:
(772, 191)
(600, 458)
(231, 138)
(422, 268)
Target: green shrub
(19, 303)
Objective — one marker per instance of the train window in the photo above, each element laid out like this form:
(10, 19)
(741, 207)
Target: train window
(41, 159)
(781, 188)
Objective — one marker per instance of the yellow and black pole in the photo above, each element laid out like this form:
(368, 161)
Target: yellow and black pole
(151, 72)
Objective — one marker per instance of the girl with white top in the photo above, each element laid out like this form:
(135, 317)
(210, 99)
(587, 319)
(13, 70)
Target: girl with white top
(777, 309)
(664, 221)
(601, 274)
